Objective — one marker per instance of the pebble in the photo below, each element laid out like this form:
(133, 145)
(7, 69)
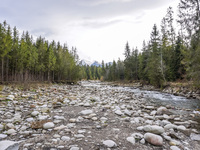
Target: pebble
(195, 137)
(34, 113)
(161, 110)
(48, 125)
(174, 148)
(74, 148)
(9, 145)
(118, 112)
(65, 138)
(154, 129)
(86, 112)
(109, 143)
(131, 140)
(11, 131)
(153, 139)
(79, 114)
(2, 136)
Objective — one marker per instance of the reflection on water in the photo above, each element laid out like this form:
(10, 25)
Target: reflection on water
(154, 96)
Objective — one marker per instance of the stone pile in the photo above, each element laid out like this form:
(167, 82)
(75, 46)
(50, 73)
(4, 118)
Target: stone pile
(92, 117)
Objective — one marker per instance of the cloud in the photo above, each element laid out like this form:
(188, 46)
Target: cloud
(93, 26)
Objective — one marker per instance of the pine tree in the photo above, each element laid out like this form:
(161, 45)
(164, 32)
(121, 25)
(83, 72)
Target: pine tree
(189, 19)
(154, 72)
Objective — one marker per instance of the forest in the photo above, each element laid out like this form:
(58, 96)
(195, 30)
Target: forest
(23, 60)
(168, 56)
(171, 54)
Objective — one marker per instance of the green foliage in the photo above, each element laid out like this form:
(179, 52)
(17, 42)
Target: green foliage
(24, 60)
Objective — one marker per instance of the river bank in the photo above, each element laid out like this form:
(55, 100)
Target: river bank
(93, 116)
(185, 89)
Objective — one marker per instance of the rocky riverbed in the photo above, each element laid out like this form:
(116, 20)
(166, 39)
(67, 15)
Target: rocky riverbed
(92, 116)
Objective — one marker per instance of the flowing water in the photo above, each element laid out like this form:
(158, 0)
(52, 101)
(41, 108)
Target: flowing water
(156, 97)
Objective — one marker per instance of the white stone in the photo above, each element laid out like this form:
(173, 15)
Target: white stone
(94, 118)
(72, 120)
(59, 117)
(181, 128)
(118, 112)
(61, 127)
(9, 145)
(131, 140)
(34, 113)
(2, 136)
(153, 112)
(127, 112)
(161, 110)
(79, 136)
(11, 131)
(153, 139)
(195, 137)
(74, 148)
(41, 117)
(109, 143)
(87, 104)
(10, 126)
(140, 128)
(65, 138)
(23, 128)
(142, 141)
(10, 97)
(154, 129)
(56, 136)
(174, 148)
(170, 126)
(86, 112)
(48, 125)
(29, 119)
(174, 142)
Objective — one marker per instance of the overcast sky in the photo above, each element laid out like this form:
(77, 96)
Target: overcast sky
(99, 29)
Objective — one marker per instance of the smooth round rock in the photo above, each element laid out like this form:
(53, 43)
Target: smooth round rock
(48, 125)
(109, 143)
(154, 129)
(34, 113)
(153, 139)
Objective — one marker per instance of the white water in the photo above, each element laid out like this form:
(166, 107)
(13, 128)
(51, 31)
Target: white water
(154, 96)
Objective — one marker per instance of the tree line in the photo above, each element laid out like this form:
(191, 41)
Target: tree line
(26, 60)
(167, 56)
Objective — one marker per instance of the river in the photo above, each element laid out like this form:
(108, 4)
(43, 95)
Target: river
(156, 97)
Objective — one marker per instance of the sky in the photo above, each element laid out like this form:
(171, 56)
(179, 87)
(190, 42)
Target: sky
(99, 29)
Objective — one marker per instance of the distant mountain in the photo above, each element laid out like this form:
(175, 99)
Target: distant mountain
(84, 62)
(96, 63)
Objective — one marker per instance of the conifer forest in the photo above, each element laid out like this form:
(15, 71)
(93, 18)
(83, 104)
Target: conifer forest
(172, 53)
